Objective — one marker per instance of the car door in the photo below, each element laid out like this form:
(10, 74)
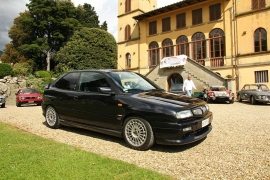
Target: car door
(94, 107)
(63, 95)
(244, 92)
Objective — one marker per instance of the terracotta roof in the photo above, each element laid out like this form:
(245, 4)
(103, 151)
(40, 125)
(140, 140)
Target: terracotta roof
(168, 8)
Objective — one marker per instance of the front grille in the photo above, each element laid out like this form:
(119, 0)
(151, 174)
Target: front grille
(30, 97)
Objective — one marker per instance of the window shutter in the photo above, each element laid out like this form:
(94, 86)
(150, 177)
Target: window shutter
(262, 4)
(181, 20)
(197, 16)
(254, 4)
(127, 33)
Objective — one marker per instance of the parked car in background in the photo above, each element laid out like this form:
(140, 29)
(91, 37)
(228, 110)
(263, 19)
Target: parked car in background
(219, 94)
(2, 101)
(29, 96)
(254, 93)
(125, 104)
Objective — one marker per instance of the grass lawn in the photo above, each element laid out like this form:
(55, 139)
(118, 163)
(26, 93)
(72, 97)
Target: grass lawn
(26, 156)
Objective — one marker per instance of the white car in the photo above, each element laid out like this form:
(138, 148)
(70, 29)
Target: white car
(2, 101)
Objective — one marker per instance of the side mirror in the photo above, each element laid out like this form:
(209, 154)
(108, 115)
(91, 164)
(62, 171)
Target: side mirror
(47, 86)
(105, 90)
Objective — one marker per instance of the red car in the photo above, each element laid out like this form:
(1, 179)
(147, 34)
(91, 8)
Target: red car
(28, 96)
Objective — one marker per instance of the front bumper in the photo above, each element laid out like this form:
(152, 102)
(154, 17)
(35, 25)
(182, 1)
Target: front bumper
(181, 136)
(32, 101)
(263, 100)
(221, 98)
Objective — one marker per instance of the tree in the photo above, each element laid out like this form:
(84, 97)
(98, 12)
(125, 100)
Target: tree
(11, 55)
(51, 24)
(18, 37)
(87, 16)
(88, 48)
(104, 26)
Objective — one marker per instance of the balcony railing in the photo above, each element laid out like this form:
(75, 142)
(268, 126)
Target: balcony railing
(216, 62)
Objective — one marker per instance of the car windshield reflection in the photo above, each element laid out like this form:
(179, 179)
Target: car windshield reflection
(132, 82)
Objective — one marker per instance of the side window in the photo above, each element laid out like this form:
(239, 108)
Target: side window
(91, 81)
(68, 82)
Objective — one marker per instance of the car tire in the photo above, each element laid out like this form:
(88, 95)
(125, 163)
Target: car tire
(52, 118)
(138, 133)
(3, 105)
(232, 101)
(239, 98)
(18, 104)
(253, 100)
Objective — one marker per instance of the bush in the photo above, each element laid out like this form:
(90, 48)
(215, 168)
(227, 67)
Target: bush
(39, 80)
(38, 83)
(5, 70)
(88, 48)
(24, 68)
(43, 74)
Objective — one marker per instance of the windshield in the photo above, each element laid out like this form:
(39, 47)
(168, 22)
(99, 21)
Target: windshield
(29, 91)
(263, 88)
(131, 81)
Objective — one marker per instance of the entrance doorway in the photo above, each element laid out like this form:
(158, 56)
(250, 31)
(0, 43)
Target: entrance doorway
(175, 82)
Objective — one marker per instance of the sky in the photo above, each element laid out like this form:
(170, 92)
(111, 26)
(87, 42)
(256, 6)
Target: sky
(105, 9)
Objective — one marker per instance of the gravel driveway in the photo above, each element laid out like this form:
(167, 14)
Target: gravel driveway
(237, 148)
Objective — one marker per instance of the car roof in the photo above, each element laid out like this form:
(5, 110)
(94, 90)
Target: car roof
(101, 70)
(254, 84)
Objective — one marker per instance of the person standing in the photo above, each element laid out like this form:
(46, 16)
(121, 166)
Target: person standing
(188, 85)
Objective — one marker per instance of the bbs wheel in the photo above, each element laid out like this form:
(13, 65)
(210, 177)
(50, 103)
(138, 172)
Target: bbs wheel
(52, 119)
(138, 133)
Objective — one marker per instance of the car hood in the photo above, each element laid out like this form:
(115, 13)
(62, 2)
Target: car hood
(267, 93)
(167, 98)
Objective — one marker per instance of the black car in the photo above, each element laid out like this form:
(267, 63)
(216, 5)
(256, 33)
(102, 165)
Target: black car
(125, 104)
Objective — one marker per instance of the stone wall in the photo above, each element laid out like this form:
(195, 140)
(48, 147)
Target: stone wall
(8, 83)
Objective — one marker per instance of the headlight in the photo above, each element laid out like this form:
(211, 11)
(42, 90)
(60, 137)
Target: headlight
(184, 114)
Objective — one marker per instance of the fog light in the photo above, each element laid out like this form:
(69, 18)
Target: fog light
(187, 129)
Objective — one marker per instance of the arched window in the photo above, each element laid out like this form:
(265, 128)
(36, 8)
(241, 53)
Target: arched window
(217, 44)
(127, 6)
(198, 47)
(167, 48)
(153, 53)
(260, 40)
(127, 33)
(128, 61)
(182, 45)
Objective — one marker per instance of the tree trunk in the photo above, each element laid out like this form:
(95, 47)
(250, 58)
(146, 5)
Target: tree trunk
(48, 60)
